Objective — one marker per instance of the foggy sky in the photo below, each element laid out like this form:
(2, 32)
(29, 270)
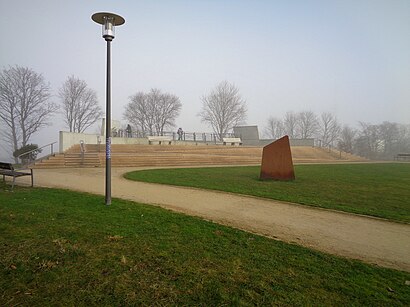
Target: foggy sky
(350, 58)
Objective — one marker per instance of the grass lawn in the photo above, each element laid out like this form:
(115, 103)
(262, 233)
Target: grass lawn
(381, 190)
(68, 249)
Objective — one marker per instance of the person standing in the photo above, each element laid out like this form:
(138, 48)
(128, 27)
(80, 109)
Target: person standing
(128, 130)
(180, 132)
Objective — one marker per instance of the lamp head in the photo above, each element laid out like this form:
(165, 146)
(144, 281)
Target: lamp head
(108, 22)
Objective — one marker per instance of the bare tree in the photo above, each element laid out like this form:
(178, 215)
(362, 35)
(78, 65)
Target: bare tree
(389, 136)
(383, 141)
(290, 124)
(79, 105)
(329, 129)
(223, 108)
(307, 124)
(368, 143)
(24, 104)
(403, 139)
(153, 112)
(347, 139)
(275, 128)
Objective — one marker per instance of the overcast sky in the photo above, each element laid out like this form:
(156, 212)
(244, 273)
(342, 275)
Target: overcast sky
(350, 58)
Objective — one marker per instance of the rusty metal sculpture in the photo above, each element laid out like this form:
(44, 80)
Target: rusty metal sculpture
(277, 161)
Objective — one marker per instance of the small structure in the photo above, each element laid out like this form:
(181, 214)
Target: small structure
(277, 161)
(232, 141)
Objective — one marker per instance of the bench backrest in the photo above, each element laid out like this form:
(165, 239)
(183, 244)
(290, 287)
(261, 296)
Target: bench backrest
(159, 138)
(8, 166)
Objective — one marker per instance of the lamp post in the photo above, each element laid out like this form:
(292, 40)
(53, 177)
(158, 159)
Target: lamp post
(108, 22)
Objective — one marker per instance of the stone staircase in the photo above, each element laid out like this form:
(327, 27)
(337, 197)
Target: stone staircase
(181, 155)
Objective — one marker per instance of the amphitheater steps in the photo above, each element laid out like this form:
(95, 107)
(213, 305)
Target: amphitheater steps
(177, 155)
(56, 161)
(82, 160)
(70, 160)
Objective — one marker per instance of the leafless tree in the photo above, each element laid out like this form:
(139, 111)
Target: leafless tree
(223, 108)
(329, 129)
(274, 128)
(290, 124)
(307, 124)
(347, 139)
(389, 136)
(368, 143)
(79, 105)
(24, 104)
(153, 112)
(383, 141)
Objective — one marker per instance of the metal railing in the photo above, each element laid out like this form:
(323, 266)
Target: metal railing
(204, 137)
(27, 161)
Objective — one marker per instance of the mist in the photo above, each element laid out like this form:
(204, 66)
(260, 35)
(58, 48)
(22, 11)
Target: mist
(348, 58)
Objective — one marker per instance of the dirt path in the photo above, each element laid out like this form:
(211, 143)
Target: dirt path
(369, 239)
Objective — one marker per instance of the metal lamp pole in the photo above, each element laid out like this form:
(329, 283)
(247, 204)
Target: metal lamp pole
(108, 22)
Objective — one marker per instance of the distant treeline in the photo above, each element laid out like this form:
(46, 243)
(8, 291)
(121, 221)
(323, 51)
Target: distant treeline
(373, 141)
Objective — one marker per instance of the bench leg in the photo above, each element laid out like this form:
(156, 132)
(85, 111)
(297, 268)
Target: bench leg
(32, 178)
(12, 185)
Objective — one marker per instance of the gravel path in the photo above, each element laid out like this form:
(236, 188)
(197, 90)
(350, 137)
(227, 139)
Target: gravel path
(369, 239)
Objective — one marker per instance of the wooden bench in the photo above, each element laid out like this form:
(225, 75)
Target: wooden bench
(159, 139)
(232, 141)
(402, 156)
(7, 169)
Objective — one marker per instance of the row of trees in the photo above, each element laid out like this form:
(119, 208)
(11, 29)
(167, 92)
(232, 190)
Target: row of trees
(380, 141)
(376, 141)
(305, 125)
(154, 112)
(26, 106)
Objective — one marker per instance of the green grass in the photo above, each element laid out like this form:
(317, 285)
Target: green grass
(61, 248)
(381, 190)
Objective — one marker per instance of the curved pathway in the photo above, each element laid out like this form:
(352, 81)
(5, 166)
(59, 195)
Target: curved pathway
(369, 239)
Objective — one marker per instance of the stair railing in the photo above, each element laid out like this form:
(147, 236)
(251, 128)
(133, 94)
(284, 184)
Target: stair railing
(39, 149)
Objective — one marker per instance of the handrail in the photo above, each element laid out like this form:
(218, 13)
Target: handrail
(27, 152)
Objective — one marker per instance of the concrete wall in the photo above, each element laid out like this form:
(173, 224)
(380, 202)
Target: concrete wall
(246, 133)
(68, 139)
(115, 124)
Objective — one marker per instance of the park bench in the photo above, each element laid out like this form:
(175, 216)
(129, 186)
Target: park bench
(160, 139)
(232, 141)
(7, 169)
(402, 156)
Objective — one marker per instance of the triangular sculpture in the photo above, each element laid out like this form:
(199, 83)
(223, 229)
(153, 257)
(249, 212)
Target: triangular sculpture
(277, 161)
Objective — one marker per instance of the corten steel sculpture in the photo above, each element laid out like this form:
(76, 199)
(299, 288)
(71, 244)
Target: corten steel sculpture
(277, 161)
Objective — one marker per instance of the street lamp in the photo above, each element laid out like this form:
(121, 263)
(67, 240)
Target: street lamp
(108, 22)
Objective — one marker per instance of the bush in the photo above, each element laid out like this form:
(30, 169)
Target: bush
(28, 152)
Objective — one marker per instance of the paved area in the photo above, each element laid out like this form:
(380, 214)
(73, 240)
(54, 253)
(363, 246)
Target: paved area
(369, 239)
